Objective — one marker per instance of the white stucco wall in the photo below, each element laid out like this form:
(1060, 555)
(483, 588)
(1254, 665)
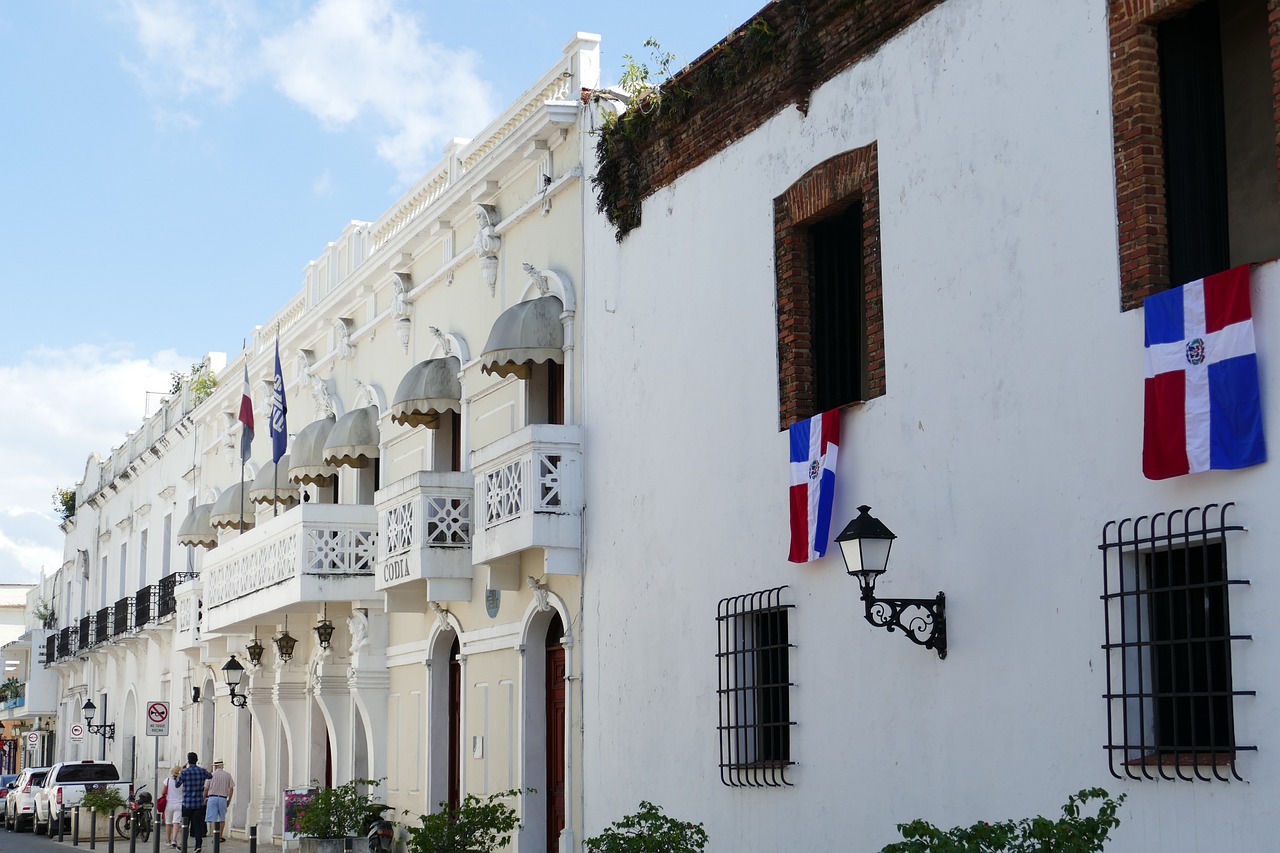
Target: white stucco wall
(1010, 433)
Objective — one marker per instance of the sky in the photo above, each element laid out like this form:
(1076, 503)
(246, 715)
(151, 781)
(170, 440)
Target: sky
(169, 167)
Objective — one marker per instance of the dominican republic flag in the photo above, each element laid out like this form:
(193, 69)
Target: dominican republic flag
(814, 445)
(1203, 407)
(279, 427)
(246, 418)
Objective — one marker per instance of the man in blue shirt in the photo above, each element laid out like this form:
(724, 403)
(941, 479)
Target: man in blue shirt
(191, 780)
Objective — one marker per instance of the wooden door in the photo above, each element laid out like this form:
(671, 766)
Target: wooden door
(555, 734)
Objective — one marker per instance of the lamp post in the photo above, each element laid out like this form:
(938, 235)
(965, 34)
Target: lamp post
(107, 730)
(232, 672)
(865, 544)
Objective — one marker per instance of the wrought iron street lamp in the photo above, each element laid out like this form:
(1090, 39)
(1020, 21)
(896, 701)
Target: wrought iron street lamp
(865, 544)
(324, 631)
(285, 643)
(107, 730)
(232, 672)
(255, 650)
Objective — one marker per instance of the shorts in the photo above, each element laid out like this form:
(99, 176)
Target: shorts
(173, 813)
(215, 809)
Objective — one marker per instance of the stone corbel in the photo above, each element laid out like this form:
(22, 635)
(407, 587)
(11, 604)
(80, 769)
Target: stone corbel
(342, 343)
(487, 244)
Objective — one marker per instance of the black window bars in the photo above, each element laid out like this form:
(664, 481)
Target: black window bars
(1170, 699)
(754, 690)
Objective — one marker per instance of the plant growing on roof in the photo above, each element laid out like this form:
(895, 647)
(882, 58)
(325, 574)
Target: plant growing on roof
(200, 380)
(11, 688)
(43, 611)
(649, 831)
(64, 502)
(1072, 833)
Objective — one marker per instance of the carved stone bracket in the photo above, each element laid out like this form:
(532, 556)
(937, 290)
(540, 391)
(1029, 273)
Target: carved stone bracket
(487, 244)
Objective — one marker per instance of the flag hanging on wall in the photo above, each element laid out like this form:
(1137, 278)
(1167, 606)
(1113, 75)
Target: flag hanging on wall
(814, 446)
(1203, 405)
(246, 419)
(279, 411)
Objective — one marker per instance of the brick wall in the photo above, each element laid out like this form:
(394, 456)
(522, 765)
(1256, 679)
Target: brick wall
(1139, 139)
(826, 189)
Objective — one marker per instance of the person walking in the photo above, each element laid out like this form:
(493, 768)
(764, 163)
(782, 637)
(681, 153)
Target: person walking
(218, 791)
(191, 780)
(172, 814)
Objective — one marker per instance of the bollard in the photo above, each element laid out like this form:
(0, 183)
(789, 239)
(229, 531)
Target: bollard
(75, 827)
(217, 840)
(253, 839)
(155, 834)
(186, 832)
(346, 845)
(133, 830)
(93, 831)
(111, 836)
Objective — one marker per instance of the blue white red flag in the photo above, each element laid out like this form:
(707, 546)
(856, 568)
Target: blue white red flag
(279, 411)
(1203, 405)
(246, 419)
(814, 446)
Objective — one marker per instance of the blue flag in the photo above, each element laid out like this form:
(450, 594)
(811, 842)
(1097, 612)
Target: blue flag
(279, 425)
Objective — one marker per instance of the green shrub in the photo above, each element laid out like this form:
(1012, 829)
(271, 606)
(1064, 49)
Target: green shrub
(475, 826)
(336, 812)
(649, 831)
(102, 800)
(1072, 833)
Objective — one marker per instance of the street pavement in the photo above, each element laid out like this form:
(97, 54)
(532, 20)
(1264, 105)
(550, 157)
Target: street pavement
(25, 842)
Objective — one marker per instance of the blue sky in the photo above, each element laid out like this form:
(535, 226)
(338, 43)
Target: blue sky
(168, 167)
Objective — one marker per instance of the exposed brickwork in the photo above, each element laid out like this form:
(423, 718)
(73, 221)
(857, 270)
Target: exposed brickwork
(813, 41)
(1139, 139)
(826, 189)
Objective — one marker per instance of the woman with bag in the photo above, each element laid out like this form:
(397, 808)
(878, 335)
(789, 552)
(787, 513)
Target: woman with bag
(170, 805)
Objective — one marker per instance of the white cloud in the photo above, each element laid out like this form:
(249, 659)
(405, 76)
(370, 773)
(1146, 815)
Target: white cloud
(322, 185)
(63, 406)
(352, 64)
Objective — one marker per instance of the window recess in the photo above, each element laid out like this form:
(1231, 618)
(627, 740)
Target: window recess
(1170, 694)
(754, 661)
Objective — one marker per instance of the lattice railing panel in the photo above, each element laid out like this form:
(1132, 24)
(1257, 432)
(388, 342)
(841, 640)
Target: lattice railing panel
(448, 522)
(505, 495)
(400, 524)
(340, 551)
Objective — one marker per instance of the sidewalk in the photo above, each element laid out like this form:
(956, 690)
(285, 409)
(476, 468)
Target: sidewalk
(236, 843)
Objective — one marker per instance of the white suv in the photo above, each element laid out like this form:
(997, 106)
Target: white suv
(20, 804)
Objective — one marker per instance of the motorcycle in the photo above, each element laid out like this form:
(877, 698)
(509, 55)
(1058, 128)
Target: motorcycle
(137, 809)
(379, 832)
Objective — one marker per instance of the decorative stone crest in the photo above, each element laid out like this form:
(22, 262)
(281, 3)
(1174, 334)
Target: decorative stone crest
(539, 279)
(342, 328)
(541, 595)
(402, 283)
(442, 339)
(487, 244)
(442, 616)
(358, 625)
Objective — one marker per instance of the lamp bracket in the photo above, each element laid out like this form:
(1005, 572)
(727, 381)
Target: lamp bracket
(922, 620)
(107, 730)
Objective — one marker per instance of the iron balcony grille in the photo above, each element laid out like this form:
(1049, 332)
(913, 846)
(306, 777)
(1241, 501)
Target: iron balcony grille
(102, 625)
(51, 647)
(85, 636)
(754, 689)
(167, 603)
(142, 606)
(1166, 606)
(120, 616)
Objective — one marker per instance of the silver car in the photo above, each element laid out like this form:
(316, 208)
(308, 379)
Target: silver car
(20, 803)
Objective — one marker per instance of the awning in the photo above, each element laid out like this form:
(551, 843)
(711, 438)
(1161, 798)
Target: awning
(428, 390)
(227, 509)
(526, 333)
(268, 487)
(196, 528)
(306, 459)
(354, 439)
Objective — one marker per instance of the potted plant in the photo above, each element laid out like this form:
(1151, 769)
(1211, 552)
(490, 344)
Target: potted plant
(102, 800)
(335, 814)
(649, 831)
(475, 826)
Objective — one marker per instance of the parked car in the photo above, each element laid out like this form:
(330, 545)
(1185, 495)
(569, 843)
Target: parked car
(6, 780)
(20, 804)
(64, 786)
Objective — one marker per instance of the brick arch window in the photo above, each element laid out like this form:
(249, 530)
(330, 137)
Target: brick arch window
(827, 262)
(1196, 110)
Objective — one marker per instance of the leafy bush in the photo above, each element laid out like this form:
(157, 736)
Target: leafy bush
(102, 800)
(649, 831)
(1072, 833)
(475, 826)
(336, 812)
(201, 381)
(64, 502)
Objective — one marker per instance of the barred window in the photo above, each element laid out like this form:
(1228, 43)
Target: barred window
(755, 689)
(1170, 695)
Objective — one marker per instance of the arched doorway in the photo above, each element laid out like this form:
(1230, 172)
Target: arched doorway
(455, 725)
(555, 723)
(443, 721)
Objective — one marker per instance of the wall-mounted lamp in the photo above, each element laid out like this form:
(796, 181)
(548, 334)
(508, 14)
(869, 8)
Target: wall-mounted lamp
(107, 730)
(865, 545)
(232, 672)
(285, 643)
(324, 631)
(254, 650)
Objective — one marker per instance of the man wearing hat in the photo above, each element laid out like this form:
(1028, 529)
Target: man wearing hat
(218, 790)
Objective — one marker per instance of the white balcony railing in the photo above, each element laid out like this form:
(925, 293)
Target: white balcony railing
(529, 495)
(424, 533)
(312, 552)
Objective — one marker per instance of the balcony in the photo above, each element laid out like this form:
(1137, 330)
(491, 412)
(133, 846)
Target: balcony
(120, 616)
(424, 539)
(309, 554)
(529, 495)
(85, 632)
(102, 625)
(142, 608)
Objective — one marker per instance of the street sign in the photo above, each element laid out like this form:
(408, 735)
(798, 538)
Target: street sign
(33, 740)
(158, 719)
(76, 733)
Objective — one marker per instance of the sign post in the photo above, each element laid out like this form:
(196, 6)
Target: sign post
(157, 727)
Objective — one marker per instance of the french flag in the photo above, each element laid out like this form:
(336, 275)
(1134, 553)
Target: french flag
(1203, 405)
(814, 446)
